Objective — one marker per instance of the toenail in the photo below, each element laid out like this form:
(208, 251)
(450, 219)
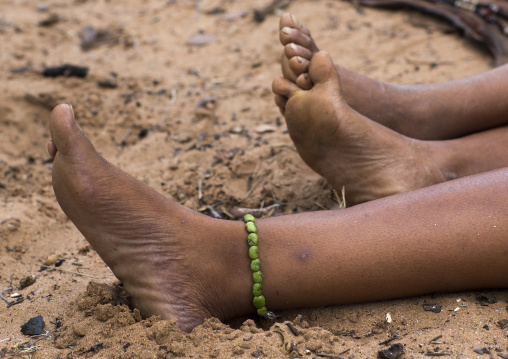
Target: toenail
(293, 46)
(72, 110)
(306, 75)
(286, 30)
(295, 20)
(300, 59)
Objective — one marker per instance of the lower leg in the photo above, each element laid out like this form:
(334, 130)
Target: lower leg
(448, 237)
(480, 152)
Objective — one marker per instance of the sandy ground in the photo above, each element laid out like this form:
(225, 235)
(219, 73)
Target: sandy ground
(198, 123)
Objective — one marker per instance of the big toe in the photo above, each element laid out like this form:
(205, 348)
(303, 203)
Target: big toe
(322, 70)
(284, 88)
(66, 135)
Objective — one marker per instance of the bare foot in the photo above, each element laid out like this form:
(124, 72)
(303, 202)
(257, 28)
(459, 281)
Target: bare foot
(410, 110)
(299, 47)
(173, 262)
(376, 100)
(348, 149)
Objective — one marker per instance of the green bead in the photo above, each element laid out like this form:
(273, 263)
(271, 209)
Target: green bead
(259, 301)
(258, 276)
(252, 239)
(253, 252)
(262, 312)
(256, 289)
(251, 227)
(249, 218)
(255, 265)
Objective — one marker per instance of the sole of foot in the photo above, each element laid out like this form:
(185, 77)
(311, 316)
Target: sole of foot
(348, 149)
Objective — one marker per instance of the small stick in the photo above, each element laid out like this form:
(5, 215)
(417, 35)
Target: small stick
(283, 145)
(198, 7)
(9, 303)
(161, 123)
(255, 172)
(127, 133)
(270, 213)
(200, 188)
(173, 97)
(247, 210)
(71, 272)
(214, 213)
(325, 355)
(228, 214)
(254, 185)
(320, 205)
(293, 329)
(341, 202)
(436, 338)
(31, 346)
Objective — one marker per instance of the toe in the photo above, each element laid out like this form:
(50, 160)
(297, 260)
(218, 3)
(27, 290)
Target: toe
(52, 149)
(66, 135)
(322, 70)
(287, 72)
(285, 88)
(292, 31)
(298, 65)
(290, 20)
(303, 81)
(292, 50)
(289, 35)
(281, 101)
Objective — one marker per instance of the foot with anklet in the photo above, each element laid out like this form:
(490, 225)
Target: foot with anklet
(174, 262)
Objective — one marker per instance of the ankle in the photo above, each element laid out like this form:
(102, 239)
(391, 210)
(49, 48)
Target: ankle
(226, 265)
(442, 157)
(376, 100)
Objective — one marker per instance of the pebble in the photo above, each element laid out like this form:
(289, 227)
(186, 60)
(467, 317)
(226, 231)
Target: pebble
(34, 326)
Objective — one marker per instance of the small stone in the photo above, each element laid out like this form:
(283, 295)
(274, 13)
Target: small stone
(34, 326)
(253, 252)
(27, 281)
(109, 82)
(234, 15)
(50, 20)
(236, 129)
(51, 259)
(394, 352)
(43, 7)
(503, 323)
(201, 40)
(265, 129)
(432, 308)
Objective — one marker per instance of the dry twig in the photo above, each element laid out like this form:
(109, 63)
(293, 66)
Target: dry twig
(341, 201)
(69, 271)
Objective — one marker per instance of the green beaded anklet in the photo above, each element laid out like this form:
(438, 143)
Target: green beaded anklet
(255, 265)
